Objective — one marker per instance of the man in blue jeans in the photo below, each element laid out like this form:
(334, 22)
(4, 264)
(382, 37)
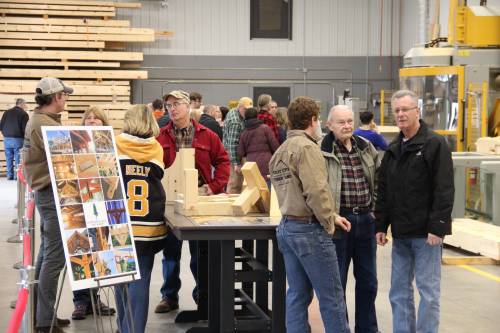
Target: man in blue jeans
(415, 198)
(352, 164)
(51, 96)
(309, 218)
(12, 126)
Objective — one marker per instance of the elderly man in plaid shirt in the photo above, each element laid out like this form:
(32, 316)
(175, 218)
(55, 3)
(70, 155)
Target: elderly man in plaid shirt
(352, 164)
(233, 126)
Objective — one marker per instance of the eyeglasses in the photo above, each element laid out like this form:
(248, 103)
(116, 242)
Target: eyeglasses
(174, 105)
(404, 110)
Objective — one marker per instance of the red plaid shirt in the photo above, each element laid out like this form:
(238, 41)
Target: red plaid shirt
(269, 120)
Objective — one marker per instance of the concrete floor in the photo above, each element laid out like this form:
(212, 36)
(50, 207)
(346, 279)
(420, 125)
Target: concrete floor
(470, 302)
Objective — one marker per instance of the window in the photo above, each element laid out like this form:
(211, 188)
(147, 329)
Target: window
(271, 19)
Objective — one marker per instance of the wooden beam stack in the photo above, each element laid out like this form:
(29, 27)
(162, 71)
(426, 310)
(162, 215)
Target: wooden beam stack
(77, 41)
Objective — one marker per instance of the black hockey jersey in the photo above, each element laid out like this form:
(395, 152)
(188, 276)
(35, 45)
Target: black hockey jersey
(141, 163)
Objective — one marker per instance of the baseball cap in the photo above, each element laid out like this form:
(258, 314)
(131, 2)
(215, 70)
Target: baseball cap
(246, 102)
(179, 94)
(52, 85)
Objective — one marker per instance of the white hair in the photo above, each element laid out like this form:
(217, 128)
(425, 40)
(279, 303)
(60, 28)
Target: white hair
(339, 107)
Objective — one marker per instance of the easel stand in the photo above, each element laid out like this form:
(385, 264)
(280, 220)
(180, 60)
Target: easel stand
(98, 318)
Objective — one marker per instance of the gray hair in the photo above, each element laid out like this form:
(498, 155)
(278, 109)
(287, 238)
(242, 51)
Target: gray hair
(20, 101)
(208, 109)
(337, 107)
(403, 93)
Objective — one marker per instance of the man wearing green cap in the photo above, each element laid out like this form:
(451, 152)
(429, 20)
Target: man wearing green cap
(51, 96)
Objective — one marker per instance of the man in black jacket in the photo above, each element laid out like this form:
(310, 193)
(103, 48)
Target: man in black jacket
(415, 197)
(12, 125)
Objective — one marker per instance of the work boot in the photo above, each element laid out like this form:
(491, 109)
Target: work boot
(166, 305)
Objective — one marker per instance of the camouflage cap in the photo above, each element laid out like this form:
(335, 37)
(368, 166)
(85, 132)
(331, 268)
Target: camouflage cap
(179, 94)
(52, 85)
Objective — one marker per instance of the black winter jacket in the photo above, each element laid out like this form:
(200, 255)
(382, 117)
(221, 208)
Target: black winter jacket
(415, 188)
(212, 124)
(13, 123)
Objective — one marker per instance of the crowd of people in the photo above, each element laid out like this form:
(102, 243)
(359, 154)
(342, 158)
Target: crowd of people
(337, 197)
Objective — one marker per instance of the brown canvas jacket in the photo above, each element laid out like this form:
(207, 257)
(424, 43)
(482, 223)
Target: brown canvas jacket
(298, 174)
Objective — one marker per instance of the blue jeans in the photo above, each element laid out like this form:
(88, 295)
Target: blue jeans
(414, 258)
(138, 293)
(50, 260)
(12, 149)
(82, 297)
(311, 264)
(359, 245)
(171, 266)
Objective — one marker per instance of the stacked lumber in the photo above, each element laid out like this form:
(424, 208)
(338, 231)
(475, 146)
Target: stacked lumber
(77, 41)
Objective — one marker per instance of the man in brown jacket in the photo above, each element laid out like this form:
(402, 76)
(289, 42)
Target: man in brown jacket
(51, 96)
(298, 173)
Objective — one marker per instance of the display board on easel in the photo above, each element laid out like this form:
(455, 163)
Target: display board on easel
(91, 205)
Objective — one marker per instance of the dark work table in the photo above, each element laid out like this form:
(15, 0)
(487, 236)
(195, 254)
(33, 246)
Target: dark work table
(231, 309)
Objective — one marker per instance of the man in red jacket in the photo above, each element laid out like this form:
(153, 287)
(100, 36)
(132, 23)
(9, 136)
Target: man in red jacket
(209, 153)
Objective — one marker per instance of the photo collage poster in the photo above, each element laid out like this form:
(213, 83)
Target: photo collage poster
(91, 205)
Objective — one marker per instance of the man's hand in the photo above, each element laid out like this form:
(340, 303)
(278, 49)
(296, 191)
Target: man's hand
(434, 240)
(381, 238)
(237, 168)
(343, 223)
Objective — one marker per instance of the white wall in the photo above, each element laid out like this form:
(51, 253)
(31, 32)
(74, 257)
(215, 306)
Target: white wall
(222, 27)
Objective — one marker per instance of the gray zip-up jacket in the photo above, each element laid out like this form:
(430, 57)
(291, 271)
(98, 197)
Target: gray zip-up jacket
(370, 162)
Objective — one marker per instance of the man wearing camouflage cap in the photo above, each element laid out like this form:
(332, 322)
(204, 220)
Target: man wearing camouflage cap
(183, 132)
(51, 96)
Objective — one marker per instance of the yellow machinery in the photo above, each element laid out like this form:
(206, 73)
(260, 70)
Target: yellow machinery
(459, 89)
(458, 85)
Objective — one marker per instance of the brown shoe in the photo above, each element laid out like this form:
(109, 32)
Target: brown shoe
(166, 305)
(102, 310)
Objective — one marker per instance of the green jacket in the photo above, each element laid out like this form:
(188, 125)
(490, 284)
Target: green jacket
(370, 161)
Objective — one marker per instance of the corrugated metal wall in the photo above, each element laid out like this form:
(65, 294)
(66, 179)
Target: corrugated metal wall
(222, 27)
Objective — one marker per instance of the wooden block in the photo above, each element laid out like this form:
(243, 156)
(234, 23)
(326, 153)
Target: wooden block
(70, 55)
(64, 21)
(205, 208)
(274, 210)
(74, 73)
(173, 180)
(246, 200)
(49, 12)
(65, 2)
(476, 237)
(190, 190)
(78, 36)
(34, 63)
(78, 29)
(64, 7)
(51, 43)
(253, 178)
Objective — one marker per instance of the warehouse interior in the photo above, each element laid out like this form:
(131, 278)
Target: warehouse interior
(115, 54)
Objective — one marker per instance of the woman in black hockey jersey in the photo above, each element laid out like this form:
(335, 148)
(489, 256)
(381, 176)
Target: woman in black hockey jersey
(141, 163)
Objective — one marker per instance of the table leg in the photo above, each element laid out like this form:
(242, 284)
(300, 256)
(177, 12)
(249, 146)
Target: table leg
(261, 288)
(278, 290)
(214, 285)
(227, 286)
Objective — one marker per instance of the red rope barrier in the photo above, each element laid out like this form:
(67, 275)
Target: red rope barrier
(17, 315)
(26, 250)
(30, 210)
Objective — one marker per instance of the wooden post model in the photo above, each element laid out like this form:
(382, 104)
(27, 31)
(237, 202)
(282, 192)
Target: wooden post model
(181, 186)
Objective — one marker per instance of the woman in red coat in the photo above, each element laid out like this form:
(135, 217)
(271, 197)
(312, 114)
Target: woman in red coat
(257, 142)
